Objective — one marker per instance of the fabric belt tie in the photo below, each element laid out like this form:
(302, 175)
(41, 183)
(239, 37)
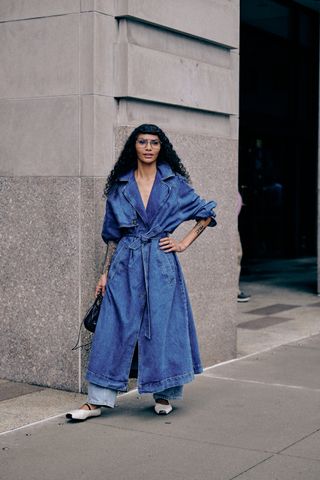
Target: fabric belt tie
(141, 241)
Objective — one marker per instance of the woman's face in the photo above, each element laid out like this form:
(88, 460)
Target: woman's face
(147, 148)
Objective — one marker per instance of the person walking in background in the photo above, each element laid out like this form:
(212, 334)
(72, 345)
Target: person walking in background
(242, 297)
(145, 311)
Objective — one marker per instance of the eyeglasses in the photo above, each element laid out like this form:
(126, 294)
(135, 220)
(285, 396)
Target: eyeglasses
(153, 143)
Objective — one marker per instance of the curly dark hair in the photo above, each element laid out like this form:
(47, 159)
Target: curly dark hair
(128, 157)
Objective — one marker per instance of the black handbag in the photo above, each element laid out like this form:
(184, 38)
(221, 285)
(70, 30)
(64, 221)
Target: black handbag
(90, 319)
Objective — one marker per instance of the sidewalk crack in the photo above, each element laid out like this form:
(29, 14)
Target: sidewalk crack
(298, 441)
(250, 468)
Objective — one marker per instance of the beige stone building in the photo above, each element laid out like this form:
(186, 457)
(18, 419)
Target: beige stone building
(76, 77)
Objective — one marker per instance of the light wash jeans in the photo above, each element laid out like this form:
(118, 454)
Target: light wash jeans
(107, 397)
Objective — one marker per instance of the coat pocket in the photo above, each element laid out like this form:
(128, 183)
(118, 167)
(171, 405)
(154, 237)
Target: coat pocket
(167, 265)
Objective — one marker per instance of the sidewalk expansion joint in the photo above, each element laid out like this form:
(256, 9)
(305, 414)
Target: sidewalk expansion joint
(280, 453)
(257, 382)
(298, 441)
(252, 467)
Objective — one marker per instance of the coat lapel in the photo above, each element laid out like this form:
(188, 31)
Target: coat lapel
(159, 194)
(161, 191)
(158, 197)
(133, 196)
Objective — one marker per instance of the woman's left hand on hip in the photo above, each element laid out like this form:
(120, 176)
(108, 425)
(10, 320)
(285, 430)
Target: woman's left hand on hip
(169, 244)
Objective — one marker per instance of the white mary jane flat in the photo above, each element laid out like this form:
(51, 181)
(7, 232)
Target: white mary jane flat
(82, 414)
(162, 409)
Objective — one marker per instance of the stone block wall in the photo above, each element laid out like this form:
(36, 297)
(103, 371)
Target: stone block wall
(76, 77)
(318, 219)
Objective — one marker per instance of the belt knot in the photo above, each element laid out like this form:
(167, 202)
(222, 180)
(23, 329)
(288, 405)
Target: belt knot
(146, 237)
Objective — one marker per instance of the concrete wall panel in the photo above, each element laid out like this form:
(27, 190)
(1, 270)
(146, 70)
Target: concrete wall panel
(40, 272)
(97, 145)
(210, 263)
(213, 20)
(151, 36)
(105, 33)
(133, 112)
(152, 75)
(92, 250)
(97, 36)
(20, 9)
(51, 261)
(318, 214)
(39, 136)
(235, 72)
(40, 57)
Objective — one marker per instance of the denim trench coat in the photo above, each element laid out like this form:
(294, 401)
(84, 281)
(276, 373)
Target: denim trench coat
(146, 302)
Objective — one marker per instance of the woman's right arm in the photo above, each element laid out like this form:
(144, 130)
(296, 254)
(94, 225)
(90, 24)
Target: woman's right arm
(101, 286)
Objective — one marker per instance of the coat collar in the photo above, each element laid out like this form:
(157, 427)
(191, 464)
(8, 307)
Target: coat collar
(164, 169)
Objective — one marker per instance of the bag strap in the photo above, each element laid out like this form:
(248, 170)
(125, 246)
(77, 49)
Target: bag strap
(97, 301)
(78, 340)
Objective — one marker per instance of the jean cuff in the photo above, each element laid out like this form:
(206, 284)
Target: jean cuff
(156, 396)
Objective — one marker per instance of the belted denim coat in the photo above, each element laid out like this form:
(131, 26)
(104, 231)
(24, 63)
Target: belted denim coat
(146, 301)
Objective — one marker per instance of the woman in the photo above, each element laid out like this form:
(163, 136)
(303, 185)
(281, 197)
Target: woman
(145, 308)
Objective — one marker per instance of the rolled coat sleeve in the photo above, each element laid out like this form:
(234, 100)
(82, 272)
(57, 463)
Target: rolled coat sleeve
(110, 229)
(192, 206)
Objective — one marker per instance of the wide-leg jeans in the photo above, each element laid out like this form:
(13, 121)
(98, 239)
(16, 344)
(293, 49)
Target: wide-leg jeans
(106, 397)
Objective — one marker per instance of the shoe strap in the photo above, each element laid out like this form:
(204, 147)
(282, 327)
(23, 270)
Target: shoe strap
(88, 405)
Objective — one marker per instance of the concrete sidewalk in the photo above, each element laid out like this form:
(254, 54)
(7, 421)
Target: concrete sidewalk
(283, 308)
(257, 417)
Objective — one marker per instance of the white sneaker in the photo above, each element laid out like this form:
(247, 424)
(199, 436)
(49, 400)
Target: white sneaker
(82, 414)
(162, 409)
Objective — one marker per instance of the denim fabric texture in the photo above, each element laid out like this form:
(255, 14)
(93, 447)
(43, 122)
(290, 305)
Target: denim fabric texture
(173, 393)
(146, 300)
(101, 396)
(106, 397)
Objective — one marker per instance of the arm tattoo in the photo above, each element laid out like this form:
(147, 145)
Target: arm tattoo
(111, 247)
(199, 229)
